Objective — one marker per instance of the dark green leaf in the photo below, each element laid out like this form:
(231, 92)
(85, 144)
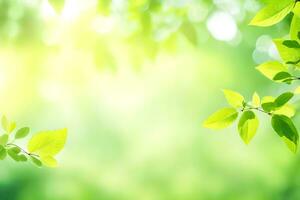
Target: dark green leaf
(269, 106)
(291, 44)
(281, 76)
(285, 128)
(283, 98)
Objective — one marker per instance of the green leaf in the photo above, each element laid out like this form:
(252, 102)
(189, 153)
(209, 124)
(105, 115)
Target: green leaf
(221, 119)
(269, 106)
(285, 128)
(48, 142)
(7, 125)
(190, 32)
(281, 76)
(295, 27)
(287, 110)
(291, 44)
(273, 13)
(283, 98)
(58, 5)
(13, 154)
(22, 158)
(270, 69)
(3, 139)
(21, 133)
(247, 126)
(3, 153)
(36, 161)
(233, 98)
(296, 9)
(255, 100)
(288, 55)
(49, 161)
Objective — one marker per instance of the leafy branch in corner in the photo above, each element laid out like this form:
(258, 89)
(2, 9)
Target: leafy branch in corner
(279, 108)
(41, 148)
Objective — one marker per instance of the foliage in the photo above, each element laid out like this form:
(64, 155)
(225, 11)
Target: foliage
(279, 108)
(42, 147)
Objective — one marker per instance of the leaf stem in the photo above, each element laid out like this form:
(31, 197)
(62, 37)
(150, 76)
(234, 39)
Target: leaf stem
(249, 107)
(23, 150)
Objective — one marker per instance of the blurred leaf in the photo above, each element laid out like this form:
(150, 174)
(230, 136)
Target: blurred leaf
(247, 126)
(22, 158)
(296, 9)
(3, 139)
(221, 119)
(103, 6)
(297, 90)
(284, 127)
(273, 13)
(233, 98)
(7, 125)
(3, 153)
(13, 153)
(36, 161)
(58, 5)
(48, 142)
(190, 32)
(21, 133)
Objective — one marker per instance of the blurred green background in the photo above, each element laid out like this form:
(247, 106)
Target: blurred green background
(132, 80)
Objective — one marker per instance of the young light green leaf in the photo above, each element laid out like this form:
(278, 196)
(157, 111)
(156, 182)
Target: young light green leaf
(255, 100)
(233, 98)
(270, 69)
(3, 153)
(7, 125)
(221, 119)
(3, 139)
(36, 161)
(48, 142)
(295, 27)
(287, 110)
(21, 133)
(49, 161)
(273, 13)
(296, 9)
(288, 55)
(247, 126)
(284, 127)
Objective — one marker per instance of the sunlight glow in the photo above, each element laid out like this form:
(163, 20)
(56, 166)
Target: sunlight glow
(222, 26)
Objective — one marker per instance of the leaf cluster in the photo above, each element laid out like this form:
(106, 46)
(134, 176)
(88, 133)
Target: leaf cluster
(279, 108)
(41, 148)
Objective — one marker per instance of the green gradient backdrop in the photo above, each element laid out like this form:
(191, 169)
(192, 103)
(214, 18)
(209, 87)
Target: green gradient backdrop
(133, 80)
